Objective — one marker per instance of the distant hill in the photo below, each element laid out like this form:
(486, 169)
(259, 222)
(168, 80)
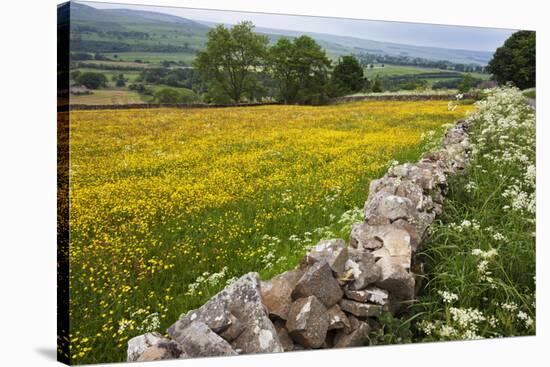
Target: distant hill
(125, 30)
(81, 12)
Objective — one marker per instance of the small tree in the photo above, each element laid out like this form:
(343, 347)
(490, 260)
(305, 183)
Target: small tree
(92, 80)
(348, 75)
(515, 61)
(466, 84)
(119, 80)
(376, 85)
(231, 59)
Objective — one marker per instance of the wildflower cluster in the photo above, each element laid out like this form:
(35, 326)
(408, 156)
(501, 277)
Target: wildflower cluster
(483, 248)
(207, 279)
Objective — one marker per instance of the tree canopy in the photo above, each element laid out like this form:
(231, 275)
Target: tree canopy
(300, 68)
(91, 80)
(348, 75)
(231, 59)
(515, 61)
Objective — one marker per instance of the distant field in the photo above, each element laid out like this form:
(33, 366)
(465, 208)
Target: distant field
(402, 70)
(122, 63)
(130, 76)
(388, 70)
(106, 96)
(152, 57)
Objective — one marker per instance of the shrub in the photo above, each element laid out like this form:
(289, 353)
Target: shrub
(376, 85)
(170, 95)
(92, 80)
(348, 75)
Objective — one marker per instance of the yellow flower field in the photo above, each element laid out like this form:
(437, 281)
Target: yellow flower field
(167, 205)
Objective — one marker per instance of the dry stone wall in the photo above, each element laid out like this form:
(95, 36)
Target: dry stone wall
(398, 97)
(334, 297)
(130, 106)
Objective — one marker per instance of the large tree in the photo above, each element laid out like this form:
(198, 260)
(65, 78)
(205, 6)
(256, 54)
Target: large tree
(231, 59)
(347, 75)
(515, 61)
(300, 68)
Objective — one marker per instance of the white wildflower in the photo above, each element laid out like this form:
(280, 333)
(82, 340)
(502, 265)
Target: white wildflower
(448, 297)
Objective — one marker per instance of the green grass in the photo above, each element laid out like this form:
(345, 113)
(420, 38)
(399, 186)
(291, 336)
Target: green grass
(530, 93)
(390, 70)
(396, 70)
(107, 96)
(482, 250)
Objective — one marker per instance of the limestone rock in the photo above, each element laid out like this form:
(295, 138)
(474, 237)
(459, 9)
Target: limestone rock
(402, 261)
(420, 175)
(414, 193)
(415, 236)
(198, 340)
(276, 293)
(356, 338)
(337, 319)
(395, 207)
(453, 136)
(318, 281)
(373, 216)
(354, 324)
(308, 322)
(161, 351)
(362, 237)
(214, 314)
(422, 221)
(402, 187)
(395, 279)
(362, 266)
(285, 339)
(395, 241)
(334, 252)
(139, 344)
(369, 294)
(360, 309)
(243, 301)
(236, 327)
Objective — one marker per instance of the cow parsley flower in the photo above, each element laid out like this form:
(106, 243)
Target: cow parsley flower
(448, 297)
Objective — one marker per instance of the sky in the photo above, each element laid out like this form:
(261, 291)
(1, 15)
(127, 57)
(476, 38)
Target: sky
(454, 37)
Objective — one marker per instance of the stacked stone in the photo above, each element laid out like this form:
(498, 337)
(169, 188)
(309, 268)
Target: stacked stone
(334, 298)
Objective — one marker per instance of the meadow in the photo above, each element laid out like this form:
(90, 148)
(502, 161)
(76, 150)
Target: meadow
(400, 70)
(168, 205)
(389, 70)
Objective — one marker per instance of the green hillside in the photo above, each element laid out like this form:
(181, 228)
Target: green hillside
(135, 31)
